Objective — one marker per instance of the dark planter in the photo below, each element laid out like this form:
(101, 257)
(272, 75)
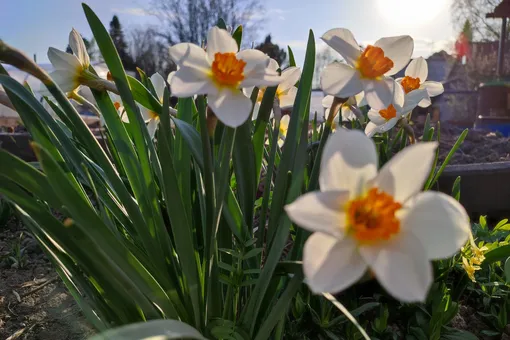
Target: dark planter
(484, 188)
(18, 144)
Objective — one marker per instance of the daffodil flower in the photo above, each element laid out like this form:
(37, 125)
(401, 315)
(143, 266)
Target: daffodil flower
(284, 127)
(285, 92)
(382, 119)
(117, 102)
(70, 69)
(347, 108)
(364, 70)
(416, 78)
(150, 117)
(363, 219)
(221, 73)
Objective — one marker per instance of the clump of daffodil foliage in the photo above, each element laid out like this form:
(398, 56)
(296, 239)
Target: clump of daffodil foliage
(231, 215)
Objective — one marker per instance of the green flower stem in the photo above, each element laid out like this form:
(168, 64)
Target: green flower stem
(20, 60)
(91, 80)
(335, 107)
(408, 129)
(267, 185)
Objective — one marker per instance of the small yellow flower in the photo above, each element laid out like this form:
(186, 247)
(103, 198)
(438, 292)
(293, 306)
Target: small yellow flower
(477, 253)
(470, 268)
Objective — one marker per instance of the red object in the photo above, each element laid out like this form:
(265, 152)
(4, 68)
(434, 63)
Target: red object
(462, 47)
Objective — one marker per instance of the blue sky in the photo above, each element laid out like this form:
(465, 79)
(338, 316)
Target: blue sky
(34, 25)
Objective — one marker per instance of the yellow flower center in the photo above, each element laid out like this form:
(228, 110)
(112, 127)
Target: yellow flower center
(372, 63)
(117, 105)
(260, 95)
(153, 115)
(262, 90)
(371, 218)
(388, 113)
(410, 84)
(227, 70)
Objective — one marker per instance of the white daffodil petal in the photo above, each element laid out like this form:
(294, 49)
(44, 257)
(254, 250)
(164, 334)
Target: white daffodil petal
(320, 211)
(349, 161)
(170, 76)
(360, 99)
(399, 49)
(395, 178)
(152, 127)
(78, 47)
(401, 266)
(330, 264)
(188, 81)
(248, 91)
(327, 101)
(256, 108)
(231, 107)
(190, 55)
(290, 76)
(273, 65)
(341, 80)
(375, 117)
(342, 41)
(261, 77)
(425, 103)
(371, 128)
(287, 100)
(413, 98)
(347, 114)
(145, 113)
(65, 80)
(418, 68)
(433, 88)
(381, 93)
(64, 61)
(284, 123)
(159, 85)
(220, 41)
(438, 221)
(256, 61)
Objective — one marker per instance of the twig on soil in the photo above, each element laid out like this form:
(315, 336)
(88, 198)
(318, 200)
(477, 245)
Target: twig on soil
(39, 287)
(10, 310)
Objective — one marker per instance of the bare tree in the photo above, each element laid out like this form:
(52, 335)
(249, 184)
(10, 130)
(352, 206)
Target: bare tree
(189, 20)
(150, 53)
(475, 11)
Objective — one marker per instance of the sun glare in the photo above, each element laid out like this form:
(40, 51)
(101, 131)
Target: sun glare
(411, 12)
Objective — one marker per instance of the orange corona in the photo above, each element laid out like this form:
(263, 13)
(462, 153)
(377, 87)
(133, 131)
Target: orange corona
(372, 63)
(388, 113)
(227, 70)
(410, 84)
(371, 218)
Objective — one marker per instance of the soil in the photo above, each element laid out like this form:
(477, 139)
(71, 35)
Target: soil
(467, 319)
(34, 303)
(479, 146)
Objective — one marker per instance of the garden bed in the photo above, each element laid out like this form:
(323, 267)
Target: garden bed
(34, 303)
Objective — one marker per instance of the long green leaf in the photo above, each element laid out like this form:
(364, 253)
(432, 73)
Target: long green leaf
(164, 329)
(298, 119)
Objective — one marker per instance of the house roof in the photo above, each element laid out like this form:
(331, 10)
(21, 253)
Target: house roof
(439, 65)
(501, 11)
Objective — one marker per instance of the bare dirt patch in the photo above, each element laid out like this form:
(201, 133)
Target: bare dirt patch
(34, 303)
